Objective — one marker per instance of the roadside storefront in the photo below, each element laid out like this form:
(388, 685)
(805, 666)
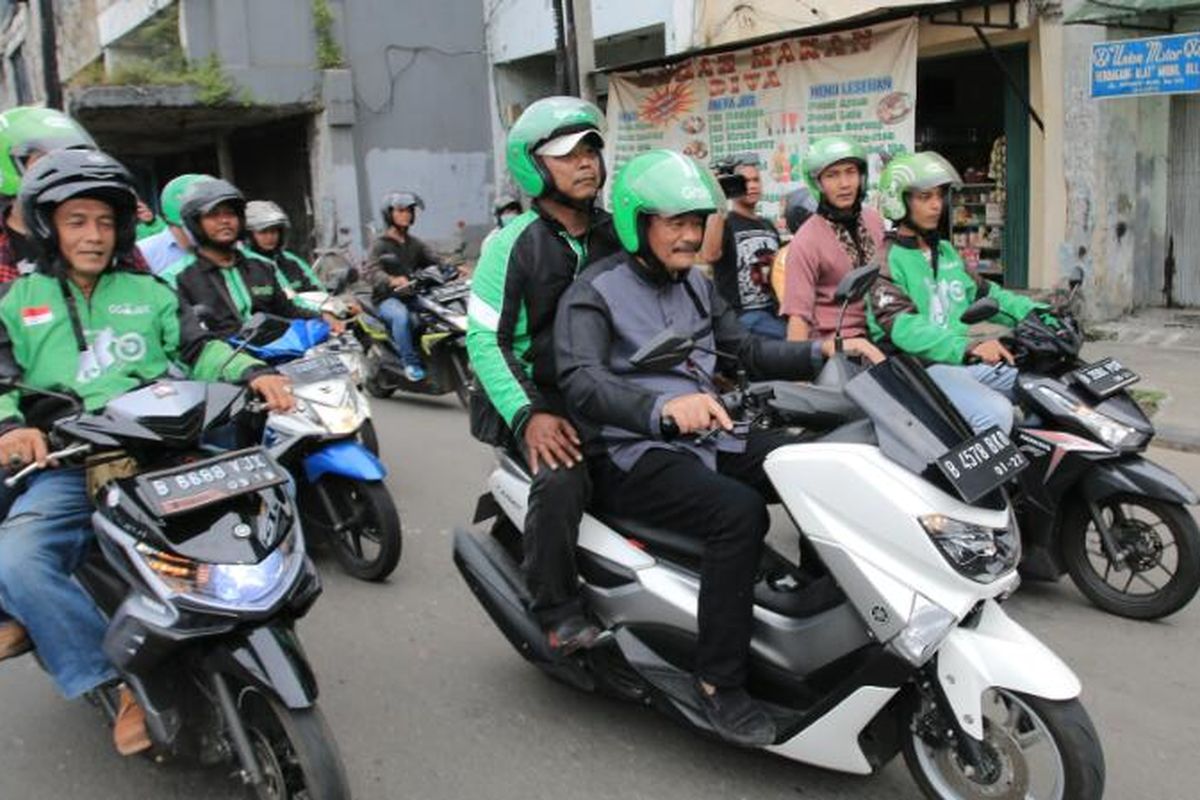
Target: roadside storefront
(956, 77)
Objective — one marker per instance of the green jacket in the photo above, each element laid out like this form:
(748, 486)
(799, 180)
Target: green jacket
(515, 289)
(133, 326)
(916, 302)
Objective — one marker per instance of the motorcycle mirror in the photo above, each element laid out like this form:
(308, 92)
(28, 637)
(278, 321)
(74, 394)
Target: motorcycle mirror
(855, 284)
(1076, 278)
(203, 313)
(666, 350)
(981, 310)
(340, 280)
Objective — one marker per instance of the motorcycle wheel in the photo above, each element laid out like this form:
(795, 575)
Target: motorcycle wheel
(369, 549)
(1035, 749)
(366, 435)
(1163, 570)
(376, 389)
(295, 750)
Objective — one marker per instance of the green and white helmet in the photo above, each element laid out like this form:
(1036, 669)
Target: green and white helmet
(546, 119)
(170, 200)
(26, 130)
(660, 182)
(826, 152)
(914, 172)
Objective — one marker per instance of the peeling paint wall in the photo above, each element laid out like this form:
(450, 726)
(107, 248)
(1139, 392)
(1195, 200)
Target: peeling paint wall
(1115, 160)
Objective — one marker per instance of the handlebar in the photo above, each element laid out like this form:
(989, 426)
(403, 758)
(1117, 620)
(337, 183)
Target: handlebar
(32, 467)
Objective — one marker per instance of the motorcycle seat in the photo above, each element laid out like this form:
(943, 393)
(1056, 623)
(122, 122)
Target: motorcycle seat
(814, 407)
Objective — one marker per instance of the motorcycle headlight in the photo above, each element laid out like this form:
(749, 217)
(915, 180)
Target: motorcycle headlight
(1114, 434)
(341, 416)
(982, 554)
(234, 586)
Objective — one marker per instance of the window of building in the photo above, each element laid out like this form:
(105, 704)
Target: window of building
(20, 76)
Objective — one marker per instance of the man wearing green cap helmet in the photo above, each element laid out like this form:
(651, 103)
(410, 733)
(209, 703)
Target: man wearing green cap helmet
(26, 134)
(553, 154)
(171, 245)
(924, 288)
(841, 236)
(712, 487)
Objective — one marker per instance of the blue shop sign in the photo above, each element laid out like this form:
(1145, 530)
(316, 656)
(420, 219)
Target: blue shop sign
(1158, 65)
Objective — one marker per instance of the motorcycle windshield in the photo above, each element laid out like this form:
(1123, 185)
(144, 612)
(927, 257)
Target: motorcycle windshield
(293, 342)
(914, 422)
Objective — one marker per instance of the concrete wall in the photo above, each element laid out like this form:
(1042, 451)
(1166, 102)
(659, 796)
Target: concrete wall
(23, 34)
(521, 28)
(420, 86)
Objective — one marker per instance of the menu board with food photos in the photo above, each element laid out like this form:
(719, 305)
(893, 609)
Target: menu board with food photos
(771, 99)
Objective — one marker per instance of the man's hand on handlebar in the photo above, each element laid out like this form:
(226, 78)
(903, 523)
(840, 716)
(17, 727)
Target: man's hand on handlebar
(694, 413)
(336, 326)
(551, 440)
(862, 348)
(275, 390)
(990, 351)
(399, 282)
(23, 446)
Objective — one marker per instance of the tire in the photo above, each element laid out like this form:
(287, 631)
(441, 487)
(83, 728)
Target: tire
(1072, 763)
(370, 506)
(1176, 561)
(376, 389)
(368, 437)
(296, 750)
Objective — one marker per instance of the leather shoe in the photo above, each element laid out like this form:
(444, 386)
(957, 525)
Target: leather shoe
(736, 717)
(129, 730)
(13, 640)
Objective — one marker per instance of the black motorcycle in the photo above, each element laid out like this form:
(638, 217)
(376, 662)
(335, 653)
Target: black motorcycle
(201, 571)
(1090, 504)
(438, 298)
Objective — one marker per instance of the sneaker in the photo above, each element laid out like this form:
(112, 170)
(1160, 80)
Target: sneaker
(574, 633)
(414, 372)
(13, 640)
(129, 729)
(736, 717)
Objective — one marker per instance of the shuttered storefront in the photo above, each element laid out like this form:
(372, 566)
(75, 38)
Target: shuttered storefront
(1183, 195)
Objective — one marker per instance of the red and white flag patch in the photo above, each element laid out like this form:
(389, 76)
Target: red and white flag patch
(36, 315)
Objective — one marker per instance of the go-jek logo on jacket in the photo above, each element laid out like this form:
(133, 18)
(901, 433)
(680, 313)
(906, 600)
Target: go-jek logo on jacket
(108, 350)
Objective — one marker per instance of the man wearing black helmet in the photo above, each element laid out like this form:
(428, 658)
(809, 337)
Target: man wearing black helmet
(393, 259)
(84, 323)
(230, 283)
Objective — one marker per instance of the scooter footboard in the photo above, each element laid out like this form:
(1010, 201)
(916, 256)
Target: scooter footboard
(998, 653)
(271, 659)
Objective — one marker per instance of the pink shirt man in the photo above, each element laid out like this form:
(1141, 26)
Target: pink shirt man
(816, 261)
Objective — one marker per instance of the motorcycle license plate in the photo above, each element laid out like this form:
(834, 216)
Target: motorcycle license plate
(201, 483)
(315, 370)
(1105, 377)
(979, 465)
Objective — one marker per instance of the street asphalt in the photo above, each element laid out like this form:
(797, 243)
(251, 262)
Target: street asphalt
(427, 701)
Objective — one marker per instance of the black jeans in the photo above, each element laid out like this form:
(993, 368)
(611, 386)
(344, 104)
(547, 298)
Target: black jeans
(728, 509)
(557, 499)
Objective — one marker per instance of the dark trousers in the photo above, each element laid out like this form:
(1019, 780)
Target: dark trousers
(557, 499)
(728, 509)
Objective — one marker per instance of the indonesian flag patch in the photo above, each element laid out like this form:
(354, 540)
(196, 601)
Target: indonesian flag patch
(36, 315)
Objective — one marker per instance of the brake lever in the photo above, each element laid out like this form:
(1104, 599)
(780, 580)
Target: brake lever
(33, 466)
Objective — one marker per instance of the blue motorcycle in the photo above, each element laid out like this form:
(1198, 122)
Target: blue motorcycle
(327, 443)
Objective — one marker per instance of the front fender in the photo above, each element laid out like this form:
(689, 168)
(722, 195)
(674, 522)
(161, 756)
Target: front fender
(347, 458)
(270, 659)
(1139, 476)
(998, 653)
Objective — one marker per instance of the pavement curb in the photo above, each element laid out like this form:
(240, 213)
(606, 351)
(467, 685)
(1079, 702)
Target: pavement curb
(1172, 437)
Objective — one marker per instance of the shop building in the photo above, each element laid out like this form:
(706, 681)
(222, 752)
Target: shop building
(322, 106)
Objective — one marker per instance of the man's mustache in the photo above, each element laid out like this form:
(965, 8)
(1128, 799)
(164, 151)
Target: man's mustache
(690, 248)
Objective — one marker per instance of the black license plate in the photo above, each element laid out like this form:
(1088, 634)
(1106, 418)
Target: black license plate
(201, 483)
(1105, 377)
(979, 465)
(316, 369)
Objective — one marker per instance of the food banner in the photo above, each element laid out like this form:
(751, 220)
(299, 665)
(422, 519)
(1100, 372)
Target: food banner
(770, 99)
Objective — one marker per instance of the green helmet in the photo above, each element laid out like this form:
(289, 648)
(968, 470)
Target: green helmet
(171, 199)
(544, 120)
(913, 172)
(826, 152)
(25, 130)
(660, 182)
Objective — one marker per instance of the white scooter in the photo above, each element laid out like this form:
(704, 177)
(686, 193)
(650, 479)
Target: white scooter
(891, 639)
